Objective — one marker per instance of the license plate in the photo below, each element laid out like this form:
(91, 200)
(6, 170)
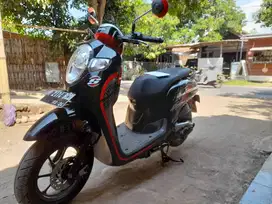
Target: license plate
(58, 98)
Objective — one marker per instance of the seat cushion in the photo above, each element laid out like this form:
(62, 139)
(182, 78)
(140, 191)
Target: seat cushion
(148, 89)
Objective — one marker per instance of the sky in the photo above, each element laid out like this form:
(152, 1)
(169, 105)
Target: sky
(248, 6)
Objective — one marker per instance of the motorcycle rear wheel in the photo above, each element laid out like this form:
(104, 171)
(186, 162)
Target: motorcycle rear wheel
(26, 183)
(184, 115)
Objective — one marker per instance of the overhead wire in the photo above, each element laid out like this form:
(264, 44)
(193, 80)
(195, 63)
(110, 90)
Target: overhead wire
(46, 27)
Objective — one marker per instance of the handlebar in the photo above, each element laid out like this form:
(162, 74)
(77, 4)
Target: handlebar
(137, 38)
(152, 39)
(140, 36)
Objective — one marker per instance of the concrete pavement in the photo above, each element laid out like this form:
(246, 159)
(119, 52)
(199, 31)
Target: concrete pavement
(33, 97)
(30, 97)
(29, 108)
(238, 91)
(260, 190)
(221, 159)
(222, 155)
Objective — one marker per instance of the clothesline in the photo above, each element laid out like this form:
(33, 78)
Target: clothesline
(49, 28)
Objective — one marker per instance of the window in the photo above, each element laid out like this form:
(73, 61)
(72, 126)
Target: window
(207, 55)
(262, 56)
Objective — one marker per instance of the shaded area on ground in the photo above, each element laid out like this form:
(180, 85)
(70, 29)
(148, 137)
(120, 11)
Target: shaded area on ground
(220, 162)
(6, 185)
(256, 107)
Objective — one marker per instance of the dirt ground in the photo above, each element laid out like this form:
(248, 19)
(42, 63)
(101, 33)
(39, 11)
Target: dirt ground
(220, 157)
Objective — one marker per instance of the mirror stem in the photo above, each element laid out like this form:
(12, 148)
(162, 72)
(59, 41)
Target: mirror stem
(136, 19)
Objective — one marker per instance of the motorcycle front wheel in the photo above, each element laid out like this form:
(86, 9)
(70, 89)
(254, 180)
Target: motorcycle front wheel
(42, 175)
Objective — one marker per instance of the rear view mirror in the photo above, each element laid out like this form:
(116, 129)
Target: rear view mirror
(92, 16)
(160, 8)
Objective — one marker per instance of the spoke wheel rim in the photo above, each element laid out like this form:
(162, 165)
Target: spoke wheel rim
(52, 163)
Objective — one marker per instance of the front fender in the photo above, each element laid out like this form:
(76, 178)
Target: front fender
(58, 115)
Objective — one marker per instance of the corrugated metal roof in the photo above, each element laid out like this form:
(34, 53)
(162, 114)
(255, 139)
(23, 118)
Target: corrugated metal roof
(261, 48)
(223, 42)
(202, 44)
(256, 36)
(180, 45)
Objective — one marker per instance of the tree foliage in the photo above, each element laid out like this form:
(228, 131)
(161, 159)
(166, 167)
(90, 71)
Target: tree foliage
(156, 27)
(98, 5)
(265, 13)
(51, 13)
(118, 12)
(187, 21)
(191, 21)
(187, 10)
(210, 20)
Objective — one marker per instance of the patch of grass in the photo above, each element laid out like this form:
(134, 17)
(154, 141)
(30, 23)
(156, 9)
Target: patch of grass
(247, 83)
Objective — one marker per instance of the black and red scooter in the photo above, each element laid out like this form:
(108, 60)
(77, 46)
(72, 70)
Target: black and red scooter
(67, 139)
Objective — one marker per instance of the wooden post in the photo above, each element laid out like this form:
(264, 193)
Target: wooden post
(221, 49)
(241, 51)
(237, 51)
(4, 82)
(200, 53)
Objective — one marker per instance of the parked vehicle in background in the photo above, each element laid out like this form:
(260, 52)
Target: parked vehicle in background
(202, 78)
(205, 76)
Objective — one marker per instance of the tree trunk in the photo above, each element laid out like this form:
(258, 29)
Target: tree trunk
(99, 7)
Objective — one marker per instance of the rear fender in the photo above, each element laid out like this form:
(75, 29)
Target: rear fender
(180, 94)
(43, 125)
(196, 98)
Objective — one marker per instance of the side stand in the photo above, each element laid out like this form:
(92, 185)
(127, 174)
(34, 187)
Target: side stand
(165, 157)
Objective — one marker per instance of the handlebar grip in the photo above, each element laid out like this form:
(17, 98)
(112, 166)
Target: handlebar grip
(128, 39)
(151, 39)
(137, 37)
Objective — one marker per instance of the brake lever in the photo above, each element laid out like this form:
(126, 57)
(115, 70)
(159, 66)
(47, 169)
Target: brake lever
(143, 42)
(129, 39)
(94, 19)
(89, 34)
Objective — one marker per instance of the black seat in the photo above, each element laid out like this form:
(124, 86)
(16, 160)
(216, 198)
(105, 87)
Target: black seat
(148, 89)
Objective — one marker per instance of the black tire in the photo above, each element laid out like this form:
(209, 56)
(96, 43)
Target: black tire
(184, 115)
(25, 186)
(219, 81)
(218, 84)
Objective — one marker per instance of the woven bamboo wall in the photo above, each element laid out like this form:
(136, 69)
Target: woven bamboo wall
(26, 58)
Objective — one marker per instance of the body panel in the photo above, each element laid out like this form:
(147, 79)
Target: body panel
(131, 142)
(50, 119)
(108, 125)
(102, 151)
(180, 94)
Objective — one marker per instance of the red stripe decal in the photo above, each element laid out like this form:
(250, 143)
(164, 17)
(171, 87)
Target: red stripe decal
(104, 88)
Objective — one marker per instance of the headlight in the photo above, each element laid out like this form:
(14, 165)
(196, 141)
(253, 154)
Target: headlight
(78, 63)
(98, 64)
